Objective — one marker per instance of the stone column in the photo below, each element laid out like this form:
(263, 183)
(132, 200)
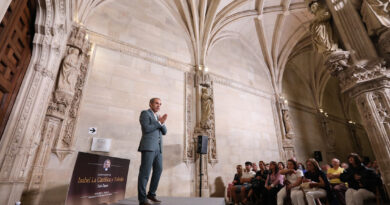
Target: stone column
(363, 76)
(351, 30)
(371, 92)
(205, 125)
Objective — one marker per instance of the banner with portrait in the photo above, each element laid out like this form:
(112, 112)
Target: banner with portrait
(97, 180)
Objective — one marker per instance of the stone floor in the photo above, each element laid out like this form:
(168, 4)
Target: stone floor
(177, 201)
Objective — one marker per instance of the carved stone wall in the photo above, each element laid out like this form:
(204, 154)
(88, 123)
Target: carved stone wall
(23, 128)
(205, 125)
(189, 143)
(365, 77)
(374, 108)
(287, 127)
(68, 113)
(57, 134)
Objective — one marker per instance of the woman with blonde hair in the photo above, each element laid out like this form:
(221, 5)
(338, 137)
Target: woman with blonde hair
(317, 184)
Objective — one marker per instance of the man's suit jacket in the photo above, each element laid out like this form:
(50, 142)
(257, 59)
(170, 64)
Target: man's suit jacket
(152, 132)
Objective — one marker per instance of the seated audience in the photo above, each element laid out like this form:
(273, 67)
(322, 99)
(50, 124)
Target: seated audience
(267, 166)
(362, 182)
(273, 183)
(254, 167)
(325, 168)
(316, 184)
(258, 182)
(366, 162)
(344, 165)
(301, 167)
(375, 167)
(236, 184)
(293, 179)
(338, 187)
(281, 165)
(245, 186)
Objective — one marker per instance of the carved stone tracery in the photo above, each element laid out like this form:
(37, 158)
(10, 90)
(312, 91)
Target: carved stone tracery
(57, 134)
(362, 74)
(206, 124)
(20, 136)
(376, 16)
(66, 98)
(189, 143)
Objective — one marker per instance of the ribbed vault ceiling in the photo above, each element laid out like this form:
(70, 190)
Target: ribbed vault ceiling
(270, 28)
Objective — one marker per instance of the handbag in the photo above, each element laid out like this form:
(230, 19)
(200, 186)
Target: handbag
(305, 186)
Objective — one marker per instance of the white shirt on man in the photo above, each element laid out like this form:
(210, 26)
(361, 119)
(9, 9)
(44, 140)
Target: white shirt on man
(247, 175)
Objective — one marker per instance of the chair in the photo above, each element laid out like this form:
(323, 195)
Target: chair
(378, 199)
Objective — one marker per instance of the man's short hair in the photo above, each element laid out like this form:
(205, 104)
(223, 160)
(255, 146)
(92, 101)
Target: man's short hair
(248, 163)
(151, 101)
(337, 160)
(356, 158)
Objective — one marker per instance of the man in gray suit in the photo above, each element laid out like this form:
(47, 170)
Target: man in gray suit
(153, 127)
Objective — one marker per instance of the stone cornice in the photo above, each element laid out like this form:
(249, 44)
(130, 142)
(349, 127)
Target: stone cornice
(298, 106)
(111, 43)
(370, 85)
(239, 86)
(114, 44)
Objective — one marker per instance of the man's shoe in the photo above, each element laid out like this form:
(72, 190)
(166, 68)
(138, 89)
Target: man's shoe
(145, 203)
(153, 198)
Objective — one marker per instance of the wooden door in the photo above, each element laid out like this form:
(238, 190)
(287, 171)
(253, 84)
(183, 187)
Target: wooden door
(16, 35)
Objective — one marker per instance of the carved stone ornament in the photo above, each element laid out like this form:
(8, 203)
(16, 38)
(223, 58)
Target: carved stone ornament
(288, 126)
(376, 16)
(79, 39)
(337, 61)
(361, 72)
(189, 143)
(202, 79)
(384, 46)
(381, 108)
(373, 105)
(23, 132)
(57, 134)
(206, 121)
(69, 72)
(288, 150)
(206, 124)
(66, 98)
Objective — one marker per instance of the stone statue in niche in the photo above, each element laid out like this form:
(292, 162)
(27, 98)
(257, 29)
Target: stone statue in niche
(69, 72)
(376, 16)
(321, 30)
(288, 124)
(206, 108)
(67, 80)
